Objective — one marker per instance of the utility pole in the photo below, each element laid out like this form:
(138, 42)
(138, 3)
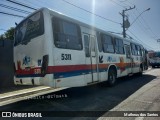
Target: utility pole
(123, 16)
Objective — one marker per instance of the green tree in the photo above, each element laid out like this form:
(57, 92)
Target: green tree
(9, 34)
(2, 37)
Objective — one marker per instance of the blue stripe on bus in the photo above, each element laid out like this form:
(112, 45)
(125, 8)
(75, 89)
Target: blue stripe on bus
(63, 74)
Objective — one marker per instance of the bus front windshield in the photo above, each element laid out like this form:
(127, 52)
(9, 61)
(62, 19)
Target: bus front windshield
(29, 28)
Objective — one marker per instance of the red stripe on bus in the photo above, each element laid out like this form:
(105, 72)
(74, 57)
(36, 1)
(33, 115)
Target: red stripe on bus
(69, 68)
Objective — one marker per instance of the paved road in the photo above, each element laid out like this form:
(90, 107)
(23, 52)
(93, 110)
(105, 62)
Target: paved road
(98, 97)
(141, 105)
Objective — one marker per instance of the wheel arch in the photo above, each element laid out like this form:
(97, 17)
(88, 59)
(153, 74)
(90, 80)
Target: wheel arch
(112, 66)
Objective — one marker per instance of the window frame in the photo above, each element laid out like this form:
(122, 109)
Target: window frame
(57, 30)
(102, 42)
(127, 47)
(136, 46)
(133, 46)
(26, 40)
(139, 50)
(88, 53)
(99, 41)
(119, 39)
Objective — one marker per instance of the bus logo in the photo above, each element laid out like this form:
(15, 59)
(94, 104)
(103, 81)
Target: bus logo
(26, 60)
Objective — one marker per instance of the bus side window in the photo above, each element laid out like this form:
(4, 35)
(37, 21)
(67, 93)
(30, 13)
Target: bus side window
(139, 50)
(86, 45)
(93, 49)
(134, 49)
(128, 52)
(99, 42)
(119, 47)
(66, 34)
(107, 42)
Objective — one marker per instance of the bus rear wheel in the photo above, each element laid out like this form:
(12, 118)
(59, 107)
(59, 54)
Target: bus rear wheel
(112, 77)
(153, 66)
(140, 71)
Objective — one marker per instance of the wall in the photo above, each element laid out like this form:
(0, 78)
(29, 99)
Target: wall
(6, 63)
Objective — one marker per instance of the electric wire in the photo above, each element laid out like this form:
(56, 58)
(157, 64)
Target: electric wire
(21, 4)
(11, 14)
(90, 12)
(15, 9)
(139, 39)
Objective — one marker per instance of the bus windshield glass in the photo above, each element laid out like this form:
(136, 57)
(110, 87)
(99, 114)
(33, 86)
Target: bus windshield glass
(29, 28)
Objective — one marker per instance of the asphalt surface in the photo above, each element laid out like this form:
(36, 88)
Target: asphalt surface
(99, 97)
(144, 104)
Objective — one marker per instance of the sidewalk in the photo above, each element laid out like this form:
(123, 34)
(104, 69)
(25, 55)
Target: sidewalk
(145, 99)
(19, 93)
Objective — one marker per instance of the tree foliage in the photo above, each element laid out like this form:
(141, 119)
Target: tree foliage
(9, 34)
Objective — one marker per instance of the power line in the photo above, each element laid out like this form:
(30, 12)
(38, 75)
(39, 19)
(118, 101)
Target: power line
(90, 12)
(15, 9)
(21, 4)
(143, 28)
(139, 39)
(118, 4)
(148, 25)
(12, 14)
(123, 1)
(124, 26)
(144, 21)
(34, 4)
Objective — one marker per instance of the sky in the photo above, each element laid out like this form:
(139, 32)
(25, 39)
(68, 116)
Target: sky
(103, 14)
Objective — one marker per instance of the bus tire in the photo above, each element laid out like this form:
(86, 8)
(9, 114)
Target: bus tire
(112, 76)
(140, 70)
(153, 66)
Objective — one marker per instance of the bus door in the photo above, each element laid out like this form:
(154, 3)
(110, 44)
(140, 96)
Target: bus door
(91, 58)
(129, 59)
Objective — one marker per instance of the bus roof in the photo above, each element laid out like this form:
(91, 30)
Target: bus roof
(61, 15)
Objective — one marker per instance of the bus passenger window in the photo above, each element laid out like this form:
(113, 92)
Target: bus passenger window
(107, 44)
(99, 42)
(66, 34)
(139, 52)
(134, 49)
(86, 45)
(119, 47)
(128, 52)
(93, 44)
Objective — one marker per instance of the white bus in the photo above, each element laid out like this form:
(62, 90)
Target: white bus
(55, 50)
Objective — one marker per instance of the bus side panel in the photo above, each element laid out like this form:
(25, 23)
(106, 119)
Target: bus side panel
(136, 63)
(69, 67)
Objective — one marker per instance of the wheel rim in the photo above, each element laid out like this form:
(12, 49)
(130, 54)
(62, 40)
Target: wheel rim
(112, 78)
